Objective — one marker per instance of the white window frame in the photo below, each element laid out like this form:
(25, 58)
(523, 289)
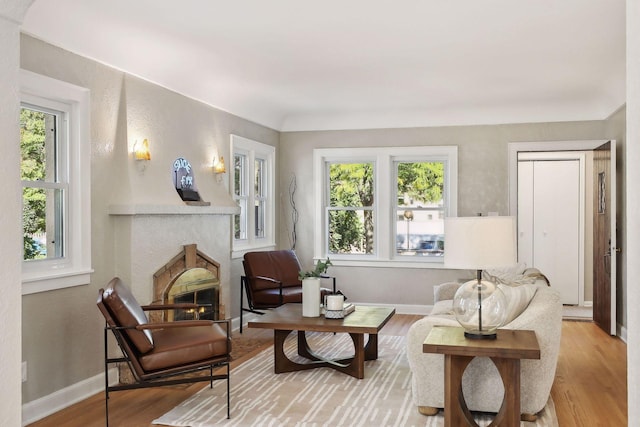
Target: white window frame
(74, 268)
(384, 159)
(254, 150)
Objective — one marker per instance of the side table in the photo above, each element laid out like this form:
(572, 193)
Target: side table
(505, 351)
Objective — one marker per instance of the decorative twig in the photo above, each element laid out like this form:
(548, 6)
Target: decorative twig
(294, 211)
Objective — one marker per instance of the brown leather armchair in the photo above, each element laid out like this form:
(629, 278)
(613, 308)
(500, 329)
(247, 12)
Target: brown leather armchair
(270, 280)
(158, 352)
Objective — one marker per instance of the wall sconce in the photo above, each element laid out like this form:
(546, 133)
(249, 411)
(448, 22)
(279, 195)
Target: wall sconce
(218, 168)
(141, 150)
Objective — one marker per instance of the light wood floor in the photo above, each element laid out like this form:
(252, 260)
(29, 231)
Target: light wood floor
(590, 388)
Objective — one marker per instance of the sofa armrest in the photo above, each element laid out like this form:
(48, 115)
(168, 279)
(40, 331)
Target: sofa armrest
(445, 291)
(427, 369)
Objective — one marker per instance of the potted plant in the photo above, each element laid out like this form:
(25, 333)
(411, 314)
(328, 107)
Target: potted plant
(321, 268)
(311, 288)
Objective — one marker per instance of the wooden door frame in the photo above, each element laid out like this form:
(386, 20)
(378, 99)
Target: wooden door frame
(583, 145)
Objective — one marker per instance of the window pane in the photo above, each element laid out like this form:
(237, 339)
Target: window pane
(351, 231)
(32, 145)
(420, 232)
(42, 223)
(259, 194)
(259, 178)
(351, 184)
(420, 183)
(420, 209)
(240, 221)
(239, 166)
(240, 196)
(259, 217)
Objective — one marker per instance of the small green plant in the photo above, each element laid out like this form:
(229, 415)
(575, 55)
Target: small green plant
(321, 268)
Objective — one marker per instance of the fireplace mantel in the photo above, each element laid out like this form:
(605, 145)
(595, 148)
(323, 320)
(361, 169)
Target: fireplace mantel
(131, 210)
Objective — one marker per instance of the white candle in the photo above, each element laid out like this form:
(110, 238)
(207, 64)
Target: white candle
(335, 302)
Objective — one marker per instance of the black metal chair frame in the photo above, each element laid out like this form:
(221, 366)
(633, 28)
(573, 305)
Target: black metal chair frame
(244, 286)
(163, 378)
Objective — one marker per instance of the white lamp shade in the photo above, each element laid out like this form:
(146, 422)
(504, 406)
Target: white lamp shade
(479, 242)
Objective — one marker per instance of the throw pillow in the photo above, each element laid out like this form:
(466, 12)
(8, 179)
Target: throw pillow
(517, 298)
(514, 275)
(442, 307)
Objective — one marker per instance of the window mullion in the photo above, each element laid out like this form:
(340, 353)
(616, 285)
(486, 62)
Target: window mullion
(46, 185)
(251, 193)
(383, 205)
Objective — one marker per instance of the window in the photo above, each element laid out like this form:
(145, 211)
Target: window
(384, 205)
(55, 161)
(253, 190)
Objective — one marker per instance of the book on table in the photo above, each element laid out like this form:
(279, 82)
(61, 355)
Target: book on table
(339, 314)
(348, 309)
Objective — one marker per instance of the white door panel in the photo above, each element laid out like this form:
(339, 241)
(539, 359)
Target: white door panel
(525, 213)
(556, 225)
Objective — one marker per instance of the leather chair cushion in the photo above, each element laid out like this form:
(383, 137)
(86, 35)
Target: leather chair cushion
(181, 346)
(281, 265)
(127, 312)
(268, 298)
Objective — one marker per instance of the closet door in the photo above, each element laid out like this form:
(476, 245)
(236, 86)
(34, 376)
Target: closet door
(556, 225)
(525, 213)
(549, 222)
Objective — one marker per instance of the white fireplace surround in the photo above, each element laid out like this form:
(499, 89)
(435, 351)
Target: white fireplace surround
(147, 236)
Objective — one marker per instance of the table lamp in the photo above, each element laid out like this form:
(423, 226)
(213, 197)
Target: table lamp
(479, 243)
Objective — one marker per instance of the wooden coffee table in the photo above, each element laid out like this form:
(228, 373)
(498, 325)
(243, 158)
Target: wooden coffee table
(505, 351)
(288, 318)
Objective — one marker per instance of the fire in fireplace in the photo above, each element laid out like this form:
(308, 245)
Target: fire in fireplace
(196, 285)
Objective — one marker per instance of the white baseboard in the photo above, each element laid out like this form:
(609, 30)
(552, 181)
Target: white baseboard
(588, 304)
(56, 401)
(622, 332)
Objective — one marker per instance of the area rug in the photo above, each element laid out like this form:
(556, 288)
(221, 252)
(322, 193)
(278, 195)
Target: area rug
(318, 397)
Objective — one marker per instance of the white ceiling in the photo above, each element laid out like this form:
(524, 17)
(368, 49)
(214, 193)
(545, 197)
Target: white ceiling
(343, 64)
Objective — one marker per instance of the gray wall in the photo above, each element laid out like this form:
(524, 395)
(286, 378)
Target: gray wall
(482, 187)
(62, 329)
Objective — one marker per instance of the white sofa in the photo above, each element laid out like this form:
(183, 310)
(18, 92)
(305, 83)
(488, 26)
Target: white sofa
(482, 386)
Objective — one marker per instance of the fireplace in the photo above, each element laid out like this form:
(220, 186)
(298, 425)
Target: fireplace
(190, 277)
(195, 285)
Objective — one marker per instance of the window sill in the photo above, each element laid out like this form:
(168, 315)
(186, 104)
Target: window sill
(33, 284)
(372, 263)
